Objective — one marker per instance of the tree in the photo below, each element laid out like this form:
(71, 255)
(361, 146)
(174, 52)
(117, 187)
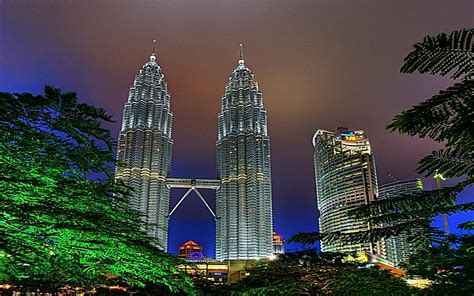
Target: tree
(311, 273)
(449, 265)
(58, 226)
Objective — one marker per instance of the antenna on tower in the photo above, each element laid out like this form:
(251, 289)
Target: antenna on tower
(241, 51)
(153, 49)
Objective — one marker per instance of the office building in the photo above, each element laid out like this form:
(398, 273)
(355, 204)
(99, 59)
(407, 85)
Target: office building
(399, 248)
(345, 179)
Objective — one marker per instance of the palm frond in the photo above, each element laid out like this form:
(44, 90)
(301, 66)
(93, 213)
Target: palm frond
(305, 238)
(445, 116)
(373, 235)
(442, 54)
(423, 203)
(469, 225)
(450, 162)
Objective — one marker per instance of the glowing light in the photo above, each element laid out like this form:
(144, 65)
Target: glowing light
(196, 256)
(351, 136)
(438, 175)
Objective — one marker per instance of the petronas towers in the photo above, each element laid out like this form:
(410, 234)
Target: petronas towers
(145, 147)
(244, 198)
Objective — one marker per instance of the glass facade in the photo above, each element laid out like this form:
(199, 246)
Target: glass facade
(244, 200)
(145, 147)
(398, 249)
(345, 179)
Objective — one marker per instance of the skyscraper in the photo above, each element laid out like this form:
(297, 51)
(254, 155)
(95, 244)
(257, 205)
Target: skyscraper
(244, 200)
(345, 179)
(398, 249)
(145, 147)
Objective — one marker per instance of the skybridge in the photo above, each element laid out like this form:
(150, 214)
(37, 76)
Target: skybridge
(193, 185)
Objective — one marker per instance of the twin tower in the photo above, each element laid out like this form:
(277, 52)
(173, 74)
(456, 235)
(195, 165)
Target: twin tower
(243, 187)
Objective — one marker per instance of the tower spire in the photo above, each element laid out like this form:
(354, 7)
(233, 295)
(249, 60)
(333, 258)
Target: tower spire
(241, 61)
(152, 57)
(153, 49)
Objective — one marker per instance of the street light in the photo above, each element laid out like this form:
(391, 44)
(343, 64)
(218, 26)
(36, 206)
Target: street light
(438, 177)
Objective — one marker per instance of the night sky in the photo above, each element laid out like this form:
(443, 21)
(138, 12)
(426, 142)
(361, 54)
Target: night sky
(320, 64)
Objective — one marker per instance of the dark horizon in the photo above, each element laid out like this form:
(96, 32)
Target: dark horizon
(320, 65)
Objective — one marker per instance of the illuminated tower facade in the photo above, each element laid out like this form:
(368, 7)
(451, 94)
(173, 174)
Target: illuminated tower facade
(399, 248)
(244, 200)
(145, 147)
(345, 179)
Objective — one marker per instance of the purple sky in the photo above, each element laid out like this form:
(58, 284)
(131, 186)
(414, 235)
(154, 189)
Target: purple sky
(320, 64)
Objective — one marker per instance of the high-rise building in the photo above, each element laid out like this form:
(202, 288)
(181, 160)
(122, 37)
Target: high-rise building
(244, 200)
(145, 147)
(398, 249)
(345, 179)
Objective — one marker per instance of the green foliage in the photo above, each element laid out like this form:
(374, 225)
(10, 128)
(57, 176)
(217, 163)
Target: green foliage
(446, 117)
(442, 54)
(306, 238)
(370, 281)
(311, 273)
(57, 226)
(450, 265)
